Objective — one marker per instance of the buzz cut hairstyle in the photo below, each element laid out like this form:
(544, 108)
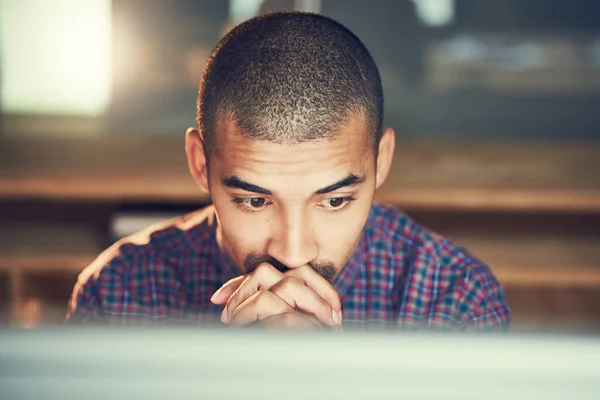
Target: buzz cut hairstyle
(289, 78)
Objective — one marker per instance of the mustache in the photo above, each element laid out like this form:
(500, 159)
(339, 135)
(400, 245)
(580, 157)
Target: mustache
(325, 269)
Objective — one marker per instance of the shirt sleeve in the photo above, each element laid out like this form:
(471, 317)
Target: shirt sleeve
(481, 299)
(85, 305)
(90, 294)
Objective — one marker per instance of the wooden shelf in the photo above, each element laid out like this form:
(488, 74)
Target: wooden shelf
(542, 277)
(538, 261)
(492, 199)
(466, 176)
(27, 263)
(146, 186)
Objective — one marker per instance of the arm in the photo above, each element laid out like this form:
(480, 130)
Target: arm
(85, 305)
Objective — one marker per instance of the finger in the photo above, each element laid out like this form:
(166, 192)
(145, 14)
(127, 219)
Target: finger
(334, 328)
(263, 277)
(318, 284)
(222, 295)
(259, 306)
(301, 297)
(290, 320)
(311, 318)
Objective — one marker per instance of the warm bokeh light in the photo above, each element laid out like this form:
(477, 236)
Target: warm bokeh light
(56, 56)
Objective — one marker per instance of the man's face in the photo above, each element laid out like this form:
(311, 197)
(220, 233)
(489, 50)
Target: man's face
(292, 205)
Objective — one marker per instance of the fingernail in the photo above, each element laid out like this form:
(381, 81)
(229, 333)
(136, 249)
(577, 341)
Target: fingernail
(224, 315)
(337, 317)
(215, 295)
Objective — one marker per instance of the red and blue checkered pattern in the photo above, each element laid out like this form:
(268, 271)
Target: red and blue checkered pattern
(401, 275)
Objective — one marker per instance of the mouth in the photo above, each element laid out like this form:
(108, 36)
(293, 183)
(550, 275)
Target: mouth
(326, 270)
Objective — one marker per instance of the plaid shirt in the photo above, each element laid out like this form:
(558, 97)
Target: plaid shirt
(400, 275)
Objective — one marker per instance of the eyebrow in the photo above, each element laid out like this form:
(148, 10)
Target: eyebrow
(236, 182)
(350, 180)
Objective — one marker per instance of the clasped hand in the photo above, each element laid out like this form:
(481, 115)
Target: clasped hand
(300, 298)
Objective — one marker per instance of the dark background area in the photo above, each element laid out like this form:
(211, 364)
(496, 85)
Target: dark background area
(470, 78)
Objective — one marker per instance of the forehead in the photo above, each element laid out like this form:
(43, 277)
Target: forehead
(347, 149)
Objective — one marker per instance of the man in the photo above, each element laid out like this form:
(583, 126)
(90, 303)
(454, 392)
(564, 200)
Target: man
(291, 149)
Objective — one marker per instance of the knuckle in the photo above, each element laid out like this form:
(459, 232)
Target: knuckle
(262, 269)
(292, 274)
(263, 299)
(300, 272)
(285, 285)
(305, 268)
(287, 282)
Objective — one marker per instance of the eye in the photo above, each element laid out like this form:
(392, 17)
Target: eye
(257, 202)
(251, 204)
(336, 203)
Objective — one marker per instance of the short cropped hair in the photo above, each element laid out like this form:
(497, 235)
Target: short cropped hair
(289, 78)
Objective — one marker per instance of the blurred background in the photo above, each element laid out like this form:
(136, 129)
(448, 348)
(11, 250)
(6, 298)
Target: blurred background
(495, 104)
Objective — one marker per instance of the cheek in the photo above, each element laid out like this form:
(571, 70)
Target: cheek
(242, 233)
(341, 233)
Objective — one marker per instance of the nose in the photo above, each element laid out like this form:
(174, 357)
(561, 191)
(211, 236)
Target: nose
(292, 241)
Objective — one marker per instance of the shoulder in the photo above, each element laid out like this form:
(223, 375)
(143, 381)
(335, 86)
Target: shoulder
(391, 228)
(444, 283)
(470, 296)
(155, 247)
(139, 267)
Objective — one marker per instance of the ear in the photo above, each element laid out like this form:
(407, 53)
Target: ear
(385, 155)
(194, 149)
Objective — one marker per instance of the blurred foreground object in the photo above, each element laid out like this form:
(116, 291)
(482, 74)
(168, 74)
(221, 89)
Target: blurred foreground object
(186, 364)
